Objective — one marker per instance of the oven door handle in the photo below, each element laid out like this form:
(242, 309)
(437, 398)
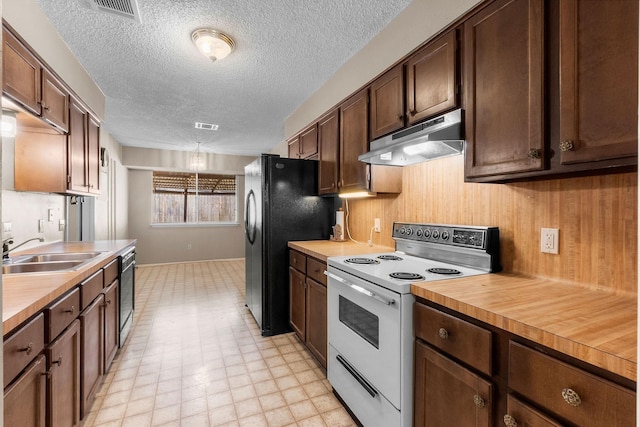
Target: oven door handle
(360, 289)
(364, 383)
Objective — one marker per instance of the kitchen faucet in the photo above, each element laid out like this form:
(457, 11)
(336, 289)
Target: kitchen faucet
(9, 241)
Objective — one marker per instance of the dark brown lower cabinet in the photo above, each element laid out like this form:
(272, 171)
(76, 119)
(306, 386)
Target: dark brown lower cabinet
(63, 360)
(317, 320)
(24, 400)
(92, 352)
(521, 414)
(447, 394)
(297, 287)
(111, 325)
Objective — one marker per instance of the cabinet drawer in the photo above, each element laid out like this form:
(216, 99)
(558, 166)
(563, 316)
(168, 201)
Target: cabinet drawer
(466, 342)
(110, 272)
(569, 392)
(22, 347)
(315, 270)
(60, 314)
(524, 415)
(298, 261)
(90, 289)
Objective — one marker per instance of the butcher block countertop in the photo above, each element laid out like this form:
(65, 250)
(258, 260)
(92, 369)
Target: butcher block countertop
(322, 249)
(25, 294)
(593, 326)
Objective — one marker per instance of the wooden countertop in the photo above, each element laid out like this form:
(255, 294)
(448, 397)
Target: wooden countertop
(322, 249)
(24, 295)
(593, 326)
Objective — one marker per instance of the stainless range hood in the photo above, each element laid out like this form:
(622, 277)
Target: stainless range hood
(435, 138)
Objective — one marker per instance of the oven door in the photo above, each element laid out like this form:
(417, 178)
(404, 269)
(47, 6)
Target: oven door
(364, 327)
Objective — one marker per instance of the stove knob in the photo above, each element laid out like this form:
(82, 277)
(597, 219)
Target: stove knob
(435, 234)
(427, 233)
(403, 230)
(444, 235)
(419, 232)
(409, 231)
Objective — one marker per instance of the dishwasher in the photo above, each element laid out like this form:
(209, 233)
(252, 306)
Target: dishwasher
(126, 293)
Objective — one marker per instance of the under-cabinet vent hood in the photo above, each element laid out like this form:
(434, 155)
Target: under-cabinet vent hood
(435, 138)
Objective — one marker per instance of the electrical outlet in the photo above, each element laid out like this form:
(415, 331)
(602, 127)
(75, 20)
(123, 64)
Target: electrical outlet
(376, 225)
(61, 225)
(549, 240)
(189, 246)
(6, 227)
(41, 226)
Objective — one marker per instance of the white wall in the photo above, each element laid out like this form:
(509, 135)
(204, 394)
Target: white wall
(159, 244)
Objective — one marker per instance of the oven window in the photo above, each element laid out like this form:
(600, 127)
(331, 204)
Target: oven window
(359, 320)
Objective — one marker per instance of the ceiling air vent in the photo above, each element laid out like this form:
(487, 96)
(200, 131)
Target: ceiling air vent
(206, 126)
(126, 8)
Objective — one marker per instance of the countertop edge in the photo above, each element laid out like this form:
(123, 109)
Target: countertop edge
(58, 282)
(601, 358)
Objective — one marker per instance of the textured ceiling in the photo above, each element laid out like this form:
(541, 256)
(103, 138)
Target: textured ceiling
(157, 84)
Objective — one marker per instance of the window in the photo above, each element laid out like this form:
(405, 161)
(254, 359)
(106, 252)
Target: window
(191, 198)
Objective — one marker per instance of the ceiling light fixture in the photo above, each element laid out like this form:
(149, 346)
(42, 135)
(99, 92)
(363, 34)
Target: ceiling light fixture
(9, 124)
(213, 44)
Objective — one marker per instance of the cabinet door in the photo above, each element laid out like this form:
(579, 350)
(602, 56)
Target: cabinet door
(93, 154)
(317, 320)
(504, 86)
(309, 142)
(21, 73)
(387, 103)
(111, 326)
(77, 155)
(92, 353)
(297, 293)
(354, 126)
(63, 397)
(431, 79)
(55, 101)
(24, 400)
(598, 80)
(329, 153)
(294, 148)
(520, 414)
(446, 394)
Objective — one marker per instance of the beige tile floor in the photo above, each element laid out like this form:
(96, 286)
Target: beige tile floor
(195, 357)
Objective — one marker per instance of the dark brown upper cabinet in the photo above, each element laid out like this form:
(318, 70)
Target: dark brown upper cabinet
(432, 78)
(305, 144)
(328, 152)
(504, 88)
(598, 80)
(354, 126)
(387, 103)
(27, 81)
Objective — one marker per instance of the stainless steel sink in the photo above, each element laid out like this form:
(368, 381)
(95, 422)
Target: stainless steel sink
(69, 256)
(40, 267)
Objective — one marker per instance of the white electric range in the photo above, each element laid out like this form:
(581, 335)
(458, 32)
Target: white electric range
(370, 313)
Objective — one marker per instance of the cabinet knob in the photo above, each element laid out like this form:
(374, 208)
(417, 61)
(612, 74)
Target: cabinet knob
(400, 116)
(45, 107)
(57, 362)
(412, 112)
(567, 145)
(571, 397)
(533, 153)
(509, 421)
(443, 333)
(478, 401)
(70, 310)
(28, 349)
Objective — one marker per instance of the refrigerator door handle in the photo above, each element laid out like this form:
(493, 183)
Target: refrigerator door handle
(249, 217)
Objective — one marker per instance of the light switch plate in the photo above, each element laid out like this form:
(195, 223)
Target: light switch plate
(50, 212)
(61, 225)
(549, 240)
(41, 226)
(6, 227)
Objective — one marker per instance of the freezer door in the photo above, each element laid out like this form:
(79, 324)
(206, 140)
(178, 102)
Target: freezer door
(253, 239)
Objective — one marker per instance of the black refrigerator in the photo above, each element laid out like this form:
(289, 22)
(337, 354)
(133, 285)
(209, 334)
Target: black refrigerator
(281, 205)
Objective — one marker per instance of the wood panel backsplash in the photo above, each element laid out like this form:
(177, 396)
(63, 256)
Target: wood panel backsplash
(596, 215)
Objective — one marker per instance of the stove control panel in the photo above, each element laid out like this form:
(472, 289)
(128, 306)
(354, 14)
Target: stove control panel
(470, 237)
